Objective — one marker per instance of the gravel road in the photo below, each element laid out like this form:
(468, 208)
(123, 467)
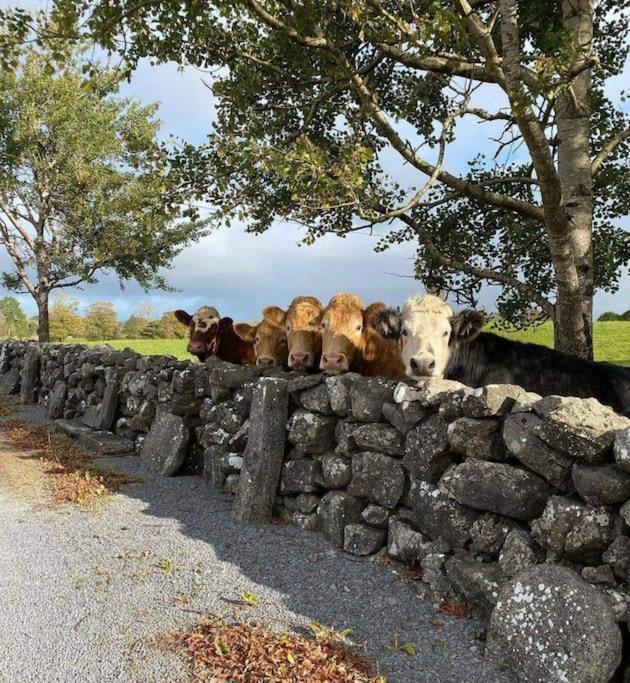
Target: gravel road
(83, 594)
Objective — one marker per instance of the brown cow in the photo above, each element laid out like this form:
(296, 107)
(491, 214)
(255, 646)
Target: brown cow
(302, 322)
(211, 335)
(268, 337)
(351, 342)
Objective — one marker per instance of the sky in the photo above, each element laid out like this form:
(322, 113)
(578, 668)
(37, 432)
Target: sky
(240, 273)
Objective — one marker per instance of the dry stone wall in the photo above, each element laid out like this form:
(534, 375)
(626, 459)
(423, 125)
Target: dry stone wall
(518, 505)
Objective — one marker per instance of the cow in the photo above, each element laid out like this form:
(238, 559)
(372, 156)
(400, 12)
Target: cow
(268, 337)
(350, 341)
(211, 335)
(436, 343)
(302, 323)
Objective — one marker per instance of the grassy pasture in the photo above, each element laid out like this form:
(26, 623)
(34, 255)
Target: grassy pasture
(612, 342)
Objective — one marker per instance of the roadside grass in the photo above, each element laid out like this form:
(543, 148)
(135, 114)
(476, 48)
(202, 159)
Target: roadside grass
(219, 650)
(73, 477)
(611, 339)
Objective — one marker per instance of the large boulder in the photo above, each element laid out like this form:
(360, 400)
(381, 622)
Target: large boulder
(601, 484)
(367, 396)
(491, 400)
(57, 400)
(426, 449)
(581, 427)
(379, 437)
(336, 471)
(550, 625)
(477, 582)
(404, 416)
(430, 392)
(336, 510)
(362, 540)
(476, 438)
(316, 400)
(311, 432)
(378, 478)
(522, 440)
(338, 388)
(496, 487)
(164, 449)
(300, 476)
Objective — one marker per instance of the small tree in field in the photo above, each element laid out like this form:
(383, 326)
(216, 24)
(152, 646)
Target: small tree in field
(65, 320)
(13, 322)
(100, 321)
(84, 184)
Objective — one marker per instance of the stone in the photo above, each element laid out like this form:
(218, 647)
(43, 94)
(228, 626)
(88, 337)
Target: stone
(476, 438)
(338, 388)
(56, 400)
(307, 503)
(143, 419)
(379, 437)
(90, 416)
(491, 400)
(426, 449)
(336, 510)
(433, 574)
(489, 532)
(303, 382)
(316, 400)
(573, 530)
(621, 449)
(522, 440)
(305, 522)
(229, 376)
(602, 575)
(378, 478)
(231, 483)
(336, 471)
(29, 375)
(238, 440)
(164, 449)
(375, 515)
(106, 443)
(617, 555)
(525, 402)
(344, 432)
(10, 382)
(216, 466)
(624, 511)
(363, 540)
(404, 416)
(300, 476)
(517, 553)
(439, 516)
(367, 396)
(496, 487)
(430, 391)
(108, 406)
(477, 582)
(262, 460)
(408, 545)
(311, 432)
(581, 427)
(550, 625)
(601, 484)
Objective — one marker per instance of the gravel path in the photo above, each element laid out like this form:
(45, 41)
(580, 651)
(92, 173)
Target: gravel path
(82, 594)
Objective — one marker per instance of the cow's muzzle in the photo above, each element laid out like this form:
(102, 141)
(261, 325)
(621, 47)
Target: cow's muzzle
(299, 360)
(334, 363)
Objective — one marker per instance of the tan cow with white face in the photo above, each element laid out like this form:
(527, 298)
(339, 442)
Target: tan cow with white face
(302, 324)
(268, 337)
(351, 342)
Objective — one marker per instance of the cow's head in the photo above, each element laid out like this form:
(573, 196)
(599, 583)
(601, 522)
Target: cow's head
(268, 337)
(342, 333)
(204, 330)
(302, 323)
(429, 332)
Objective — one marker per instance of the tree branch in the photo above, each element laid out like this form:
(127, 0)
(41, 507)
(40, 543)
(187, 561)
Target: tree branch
(16, 257)
(608, 149)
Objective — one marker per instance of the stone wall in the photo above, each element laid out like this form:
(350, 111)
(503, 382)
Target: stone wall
(515, 504)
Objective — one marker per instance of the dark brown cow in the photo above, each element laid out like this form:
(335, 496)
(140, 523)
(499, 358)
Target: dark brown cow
(211, 335)
(350, 341)
(268, 337)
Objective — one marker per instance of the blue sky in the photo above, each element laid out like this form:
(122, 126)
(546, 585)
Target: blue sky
(240, 273)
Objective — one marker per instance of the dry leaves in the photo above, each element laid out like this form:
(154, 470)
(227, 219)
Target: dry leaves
(455, 609)
(74, 478)
(247, 653)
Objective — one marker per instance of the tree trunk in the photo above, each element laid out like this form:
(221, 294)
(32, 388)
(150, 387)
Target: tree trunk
(43, 330)
(573, 112)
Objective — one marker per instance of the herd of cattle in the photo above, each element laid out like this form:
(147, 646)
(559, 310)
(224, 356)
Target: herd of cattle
(425, 339)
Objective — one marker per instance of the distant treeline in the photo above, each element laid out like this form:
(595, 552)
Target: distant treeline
(99, 321)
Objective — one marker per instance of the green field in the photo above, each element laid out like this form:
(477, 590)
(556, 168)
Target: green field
(612, 342)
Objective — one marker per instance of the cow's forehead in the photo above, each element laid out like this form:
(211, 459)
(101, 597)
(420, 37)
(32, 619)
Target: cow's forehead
(424, 320)
(206, 313)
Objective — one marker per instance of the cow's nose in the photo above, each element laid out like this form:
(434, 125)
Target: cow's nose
(196, 347)
(334, 362)
(299, 359)
(265, 360)
(422, 366)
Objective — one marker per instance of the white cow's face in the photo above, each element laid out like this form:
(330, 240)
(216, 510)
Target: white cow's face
(425, 343)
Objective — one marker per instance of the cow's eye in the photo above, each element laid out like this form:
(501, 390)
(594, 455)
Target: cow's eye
(404, 333)
(323, 325)
(359, 328)
(283, 341)
(445, 334)
(288, 328)
(256, 340)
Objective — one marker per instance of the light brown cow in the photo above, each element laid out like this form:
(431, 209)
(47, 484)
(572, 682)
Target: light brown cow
(351, 342)
(303, 327)
(268, 337)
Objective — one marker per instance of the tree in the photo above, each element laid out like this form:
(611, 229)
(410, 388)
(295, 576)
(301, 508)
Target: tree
(13, 323)
(147, 310)
(100, 321)
(626, 315)
(167, 327)
(133, 327)
(65, 320)
(608, 316)
(320, 106)
(84, 185)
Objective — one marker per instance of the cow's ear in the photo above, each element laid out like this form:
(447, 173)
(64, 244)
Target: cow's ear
(225, 324)
(387, 323)
(466, 325)
(182, 317)
(274, 314)
(245, 332)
